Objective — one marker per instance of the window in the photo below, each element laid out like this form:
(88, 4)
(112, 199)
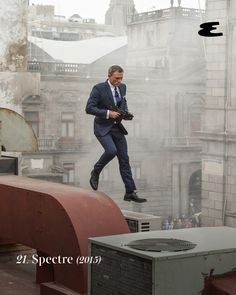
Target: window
(67, 124)
(33, 119)
(69, 173)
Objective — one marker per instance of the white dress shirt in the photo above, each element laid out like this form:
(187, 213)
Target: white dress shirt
(113, 94)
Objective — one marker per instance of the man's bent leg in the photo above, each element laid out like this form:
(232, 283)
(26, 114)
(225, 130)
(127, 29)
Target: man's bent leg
(125, 169)
(109, 153)
(124, 165)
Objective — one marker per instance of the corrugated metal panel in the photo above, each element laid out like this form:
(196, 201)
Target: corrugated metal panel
(120, 273)
(173, 273)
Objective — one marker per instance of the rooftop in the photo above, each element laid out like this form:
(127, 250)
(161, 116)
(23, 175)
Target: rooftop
(166, 13)
(80, 52)
(17, 279)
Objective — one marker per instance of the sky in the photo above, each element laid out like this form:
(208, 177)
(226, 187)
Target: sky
(97, 8)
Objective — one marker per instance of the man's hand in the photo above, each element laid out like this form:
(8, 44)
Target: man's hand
(123, 114)
(113, 114)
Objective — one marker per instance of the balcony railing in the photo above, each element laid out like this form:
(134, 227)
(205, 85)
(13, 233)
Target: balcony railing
(47, 144)
(62, 144)
(51, 68)
(166, 13)
(57, 68)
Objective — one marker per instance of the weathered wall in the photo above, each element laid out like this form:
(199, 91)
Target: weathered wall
(15, 83)
(13, 35)
(15, 86)
(219, 132)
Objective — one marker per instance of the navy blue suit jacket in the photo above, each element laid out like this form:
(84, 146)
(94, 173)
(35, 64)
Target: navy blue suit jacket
(101, 100)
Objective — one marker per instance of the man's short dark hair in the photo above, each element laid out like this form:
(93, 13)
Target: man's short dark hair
(115, 68)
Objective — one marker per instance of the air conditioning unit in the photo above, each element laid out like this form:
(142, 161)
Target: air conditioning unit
(140, 222)
(172, 262)
(8, 165)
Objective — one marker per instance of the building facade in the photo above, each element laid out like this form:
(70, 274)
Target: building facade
(165, 50)
(118, 15)
(219, 129)
(166, 99)
(43, 23)
(13, 57)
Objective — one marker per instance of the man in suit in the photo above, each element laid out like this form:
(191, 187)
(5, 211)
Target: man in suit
(109, 130)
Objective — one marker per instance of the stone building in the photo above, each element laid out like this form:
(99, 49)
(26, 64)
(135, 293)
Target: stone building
(219, 129)
(166, 92)
(13, 62)
(165, 81)
(165, 42)
(58, 113)
(13, 73)
(13, 56)
(165, 50)
(43, 23)
(118, 15)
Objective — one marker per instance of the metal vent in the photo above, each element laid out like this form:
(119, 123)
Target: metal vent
(158, 245)
(120, 273)
(133, 225)
(145, 226)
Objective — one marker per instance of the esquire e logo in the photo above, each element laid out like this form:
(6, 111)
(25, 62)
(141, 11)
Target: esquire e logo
(207, 29)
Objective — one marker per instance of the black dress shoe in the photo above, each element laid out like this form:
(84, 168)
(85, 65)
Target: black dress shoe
(94, 180)
(133, 197)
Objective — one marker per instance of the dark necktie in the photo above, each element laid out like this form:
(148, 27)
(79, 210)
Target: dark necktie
(117, 97)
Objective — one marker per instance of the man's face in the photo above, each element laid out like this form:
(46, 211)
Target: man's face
(116, 78)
